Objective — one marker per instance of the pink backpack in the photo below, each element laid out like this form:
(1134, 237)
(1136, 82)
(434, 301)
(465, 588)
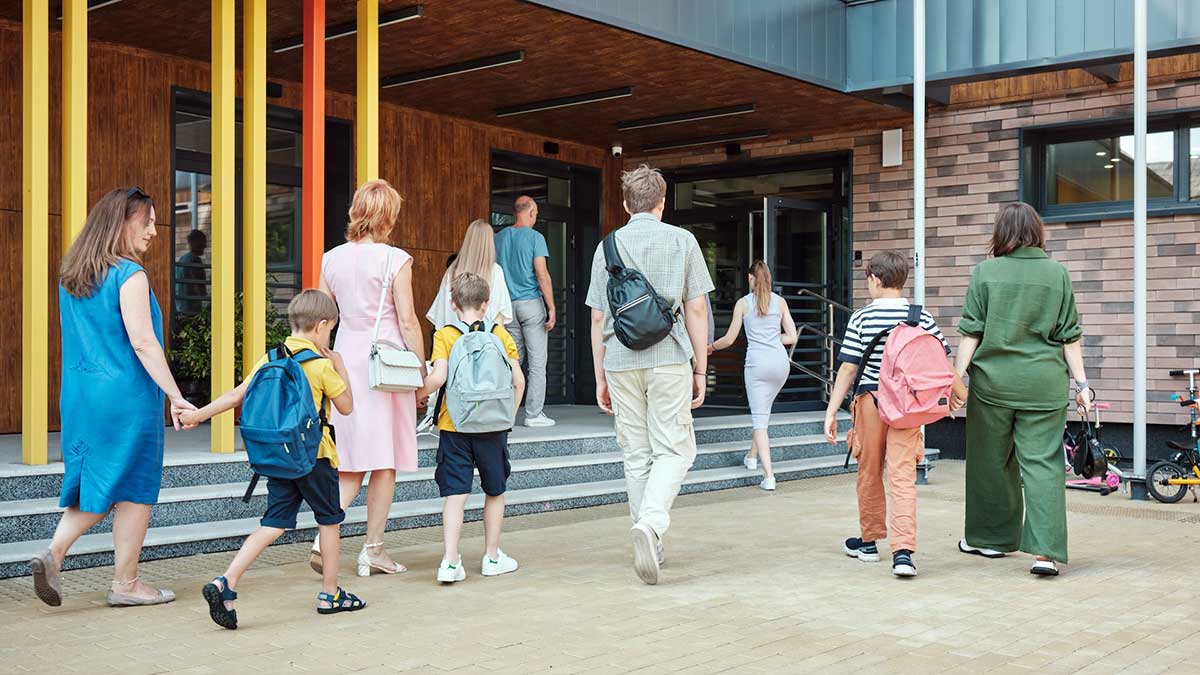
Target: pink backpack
(915, 379)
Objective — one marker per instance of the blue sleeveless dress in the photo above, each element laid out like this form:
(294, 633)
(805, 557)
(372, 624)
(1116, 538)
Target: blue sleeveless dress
(112, 411)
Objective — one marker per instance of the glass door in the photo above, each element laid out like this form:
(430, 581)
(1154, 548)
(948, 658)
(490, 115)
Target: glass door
(796, 233)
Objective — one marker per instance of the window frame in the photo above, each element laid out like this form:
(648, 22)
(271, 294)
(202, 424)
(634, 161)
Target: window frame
(1032, 166)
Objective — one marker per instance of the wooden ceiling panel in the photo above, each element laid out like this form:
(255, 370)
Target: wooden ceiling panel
(564, 55)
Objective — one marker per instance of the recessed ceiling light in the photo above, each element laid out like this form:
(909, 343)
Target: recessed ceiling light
(1108, 166)
(1101, 153)
(706, 140)
(350, 28)
(453, 69)
(1116, 159)
(692, 116)
(565, 101)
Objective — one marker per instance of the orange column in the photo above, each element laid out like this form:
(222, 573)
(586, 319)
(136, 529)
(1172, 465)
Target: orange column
(313, 159)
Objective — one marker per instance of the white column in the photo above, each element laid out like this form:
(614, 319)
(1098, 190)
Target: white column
(1139, 245)
(919, 151)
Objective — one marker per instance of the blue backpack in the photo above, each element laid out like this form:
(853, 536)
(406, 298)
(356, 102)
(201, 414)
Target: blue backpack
(280, 426)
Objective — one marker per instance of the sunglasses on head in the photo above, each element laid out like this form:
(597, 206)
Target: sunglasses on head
(136, 191)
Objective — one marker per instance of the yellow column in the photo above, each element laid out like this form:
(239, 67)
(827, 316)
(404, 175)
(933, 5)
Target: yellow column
(366, 126)
(35, 239)
(74, 120)
(223, 199)
(254, 183)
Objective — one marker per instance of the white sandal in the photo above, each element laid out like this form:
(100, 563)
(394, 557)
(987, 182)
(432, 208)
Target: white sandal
(1044, 568)
(365, 565)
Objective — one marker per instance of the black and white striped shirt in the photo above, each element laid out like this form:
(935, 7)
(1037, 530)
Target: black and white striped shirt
(866, 323)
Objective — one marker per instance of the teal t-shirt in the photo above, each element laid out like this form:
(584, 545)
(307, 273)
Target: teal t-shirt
(516, 247)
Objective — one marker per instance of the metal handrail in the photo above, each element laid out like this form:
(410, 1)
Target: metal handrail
(834, 303)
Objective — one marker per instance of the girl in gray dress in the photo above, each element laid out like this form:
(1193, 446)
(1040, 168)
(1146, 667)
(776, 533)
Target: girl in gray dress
(769, 327)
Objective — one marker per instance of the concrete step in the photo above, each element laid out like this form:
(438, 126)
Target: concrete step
(200, 468)
(37, 518)
(178, 540)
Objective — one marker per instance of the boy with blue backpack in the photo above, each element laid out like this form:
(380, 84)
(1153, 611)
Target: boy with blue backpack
(479, 365)
(284, 407)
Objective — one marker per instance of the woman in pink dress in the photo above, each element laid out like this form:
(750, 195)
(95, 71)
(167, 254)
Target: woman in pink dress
(380, 436)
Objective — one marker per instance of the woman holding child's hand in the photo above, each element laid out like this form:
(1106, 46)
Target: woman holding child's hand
(114, 377)
(380, 437)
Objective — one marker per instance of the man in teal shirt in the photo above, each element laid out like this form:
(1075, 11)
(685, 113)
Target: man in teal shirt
(521, 251)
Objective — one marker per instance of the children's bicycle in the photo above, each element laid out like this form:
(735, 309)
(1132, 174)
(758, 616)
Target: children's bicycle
(1169, 480)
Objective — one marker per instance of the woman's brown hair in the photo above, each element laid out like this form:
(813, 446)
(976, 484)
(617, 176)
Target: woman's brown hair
(1018, 225)
(103, 241)
(762, 287)
(374, 211)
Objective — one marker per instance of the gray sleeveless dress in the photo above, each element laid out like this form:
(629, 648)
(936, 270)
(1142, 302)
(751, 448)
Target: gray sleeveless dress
(766, 360)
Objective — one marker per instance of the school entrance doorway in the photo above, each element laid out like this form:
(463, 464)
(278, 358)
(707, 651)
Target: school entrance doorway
(795, 215)
(568, 199)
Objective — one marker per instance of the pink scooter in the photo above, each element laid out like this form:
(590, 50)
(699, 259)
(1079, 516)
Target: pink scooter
(1074, 443)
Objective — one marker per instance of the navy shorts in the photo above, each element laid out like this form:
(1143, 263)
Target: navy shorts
(319, 489)
(459, 455)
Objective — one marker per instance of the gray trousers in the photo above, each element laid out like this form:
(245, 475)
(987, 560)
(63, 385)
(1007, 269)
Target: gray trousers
(528, 329)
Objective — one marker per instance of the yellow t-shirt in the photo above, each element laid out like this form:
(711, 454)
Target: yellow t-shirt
(324, 380)
(443, 342)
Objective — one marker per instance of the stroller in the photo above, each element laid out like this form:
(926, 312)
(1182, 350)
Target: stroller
(1091, 460)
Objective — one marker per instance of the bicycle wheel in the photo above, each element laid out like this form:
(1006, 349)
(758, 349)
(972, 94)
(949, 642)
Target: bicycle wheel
(1157, 477)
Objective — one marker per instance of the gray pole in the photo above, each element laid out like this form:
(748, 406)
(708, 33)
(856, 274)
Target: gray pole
(919, 152)
(1138, 489)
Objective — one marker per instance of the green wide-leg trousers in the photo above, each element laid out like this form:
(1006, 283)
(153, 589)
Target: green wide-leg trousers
(1008, 448)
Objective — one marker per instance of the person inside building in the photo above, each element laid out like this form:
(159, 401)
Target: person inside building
(372, 283)
(1021, 339)
(191, 277)
(113, 379)
(769, 327)
(522, 252)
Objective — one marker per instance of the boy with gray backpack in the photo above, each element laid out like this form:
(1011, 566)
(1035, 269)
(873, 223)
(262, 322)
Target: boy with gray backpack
(478, 363)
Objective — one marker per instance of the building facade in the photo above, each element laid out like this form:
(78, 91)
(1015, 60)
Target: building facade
(769, 125)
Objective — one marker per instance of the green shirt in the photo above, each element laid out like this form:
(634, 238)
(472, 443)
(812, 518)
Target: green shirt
(1022, 308)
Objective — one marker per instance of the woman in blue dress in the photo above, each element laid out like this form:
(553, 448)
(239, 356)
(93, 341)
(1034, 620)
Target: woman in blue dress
(114, 374)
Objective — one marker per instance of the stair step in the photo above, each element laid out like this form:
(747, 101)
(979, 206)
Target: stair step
(178, 540)
(37, 518)
(201, 468)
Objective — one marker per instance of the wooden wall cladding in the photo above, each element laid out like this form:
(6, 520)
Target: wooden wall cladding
(439, 164)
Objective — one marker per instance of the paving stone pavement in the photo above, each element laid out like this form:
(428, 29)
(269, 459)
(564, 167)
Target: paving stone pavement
(754, 582)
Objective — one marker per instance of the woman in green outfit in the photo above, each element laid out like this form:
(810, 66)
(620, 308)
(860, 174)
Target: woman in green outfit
(1020, 336)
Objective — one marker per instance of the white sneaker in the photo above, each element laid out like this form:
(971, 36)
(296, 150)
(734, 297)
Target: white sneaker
(768, 484)
(448, 574)
(501, 565)
(985, 552)
(750, 462)
(645, 553)
(539, 420)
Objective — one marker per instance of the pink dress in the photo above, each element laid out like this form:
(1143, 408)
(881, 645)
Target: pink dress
(381, 433)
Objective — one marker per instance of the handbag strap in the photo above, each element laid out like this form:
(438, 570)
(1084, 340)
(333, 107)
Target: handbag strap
(387, 282)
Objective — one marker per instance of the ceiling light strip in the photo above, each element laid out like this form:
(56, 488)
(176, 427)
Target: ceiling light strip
(706, 140)
(350, 28)
(565, 101)
(483, 63)
(92, 5)
(693, 116)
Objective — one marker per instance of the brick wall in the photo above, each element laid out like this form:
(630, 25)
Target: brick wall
(972, 159)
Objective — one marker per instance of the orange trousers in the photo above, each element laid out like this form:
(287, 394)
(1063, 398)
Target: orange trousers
(876, 445)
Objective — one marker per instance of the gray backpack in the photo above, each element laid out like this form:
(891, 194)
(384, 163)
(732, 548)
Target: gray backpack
(479, 390)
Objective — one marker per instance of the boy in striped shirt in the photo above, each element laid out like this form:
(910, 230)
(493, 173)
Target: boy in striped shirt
(873, 442)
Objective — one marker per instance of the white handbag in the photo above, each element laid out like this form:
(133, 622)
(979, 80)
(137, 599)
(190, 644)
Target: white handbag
(391, 367)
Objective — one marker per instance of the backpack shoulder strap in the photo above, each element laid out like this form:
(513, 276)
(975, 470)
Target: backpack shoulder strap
(914, 316)
(612, 259)
(460, 326)
(304, 356)
(866, 358)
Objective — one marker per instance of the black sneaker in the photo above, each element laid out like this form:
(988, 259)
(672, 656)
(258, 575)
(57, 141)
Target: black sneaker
(902, 564)
(863, 550)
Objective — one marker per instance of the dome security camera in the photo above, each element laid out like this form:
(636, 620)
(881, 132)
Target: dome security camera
(617, 150)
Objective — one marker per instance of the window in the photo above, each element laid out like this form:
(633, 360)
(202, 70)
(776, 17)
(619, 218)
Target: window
(1088, 171)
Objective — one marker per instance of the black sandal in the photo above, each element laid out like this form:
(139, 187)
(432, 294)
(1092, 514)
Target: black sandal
(342, 601)
(217, 596)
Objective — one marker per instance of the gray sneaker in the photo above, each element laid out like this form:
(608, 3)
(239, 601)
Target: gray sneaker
(645, 553)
